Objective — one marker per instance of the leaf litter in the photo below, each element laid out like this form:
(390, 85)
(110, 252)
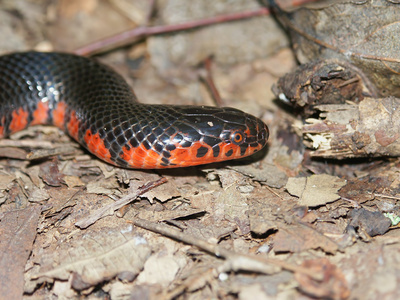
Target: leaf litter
(282, 225)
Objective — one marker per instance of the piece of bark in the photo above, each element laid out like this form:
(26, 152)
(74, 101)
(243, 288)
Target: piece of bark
(370, 129)
(321, 82)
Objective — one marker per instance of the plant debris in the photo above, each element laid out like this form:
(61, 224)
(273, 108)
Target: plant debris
(314, 215)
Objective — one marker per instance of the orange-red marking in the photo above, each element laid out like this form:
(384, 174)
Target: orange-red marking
(142, 158)
(3, 119)
(96, 145)
(73, 126)
(19, 119)
(40, 115)
(184, 157)
(59, 115)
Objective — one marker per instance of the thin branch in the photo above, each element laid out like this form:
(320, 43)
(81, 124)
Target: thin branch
(130, 36)
(208, 80)
(234, 261)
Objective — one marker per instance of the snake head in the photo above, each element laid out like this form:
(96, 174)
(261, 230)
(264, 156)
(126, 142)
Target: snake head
(202, 135)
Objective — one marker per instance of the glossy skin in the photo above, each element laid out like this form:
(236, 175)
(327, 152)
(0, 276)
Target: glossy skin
(96, 107)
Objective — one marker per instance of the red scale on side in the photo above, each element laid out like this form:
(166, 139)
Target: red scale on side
(3, 119)
(96, 145)
(19, 120)
(59, 115)
(41, 113)
(73, 126)
(141, 158)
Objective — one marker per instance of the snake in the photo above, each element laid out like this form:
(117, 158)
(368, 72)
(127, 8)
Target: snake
(94, 105)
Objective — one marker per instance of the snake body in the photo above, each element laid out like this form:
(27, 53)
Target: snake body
(96, 107)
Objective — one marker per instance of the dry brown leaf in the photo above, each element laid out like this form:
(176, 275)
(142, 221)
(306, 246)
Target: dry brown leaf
(163, 268)
(297, 238)
(97, 260)
(209, 231)
(315, 190)
(106, 186)
(363, 189)
(163, 192)
(12, 152)
(61, 199)
(69, 8)
(266, 173)
(227, 177)
(231, 205)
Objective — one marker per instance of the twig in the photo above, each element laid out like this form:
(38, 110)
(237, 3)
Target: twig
(234, 261)
(386, 196)
(138, 33)
(208, 80)
(109, 209)
(354, 203)
(273, 192)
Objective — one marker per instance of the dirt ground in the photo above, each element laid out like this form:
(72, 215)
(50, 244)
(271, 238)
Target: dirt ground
(283, 224)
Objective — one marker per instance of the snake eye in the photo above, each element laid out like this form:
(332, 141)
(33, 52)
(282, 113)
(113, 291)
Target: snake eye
(237, 137)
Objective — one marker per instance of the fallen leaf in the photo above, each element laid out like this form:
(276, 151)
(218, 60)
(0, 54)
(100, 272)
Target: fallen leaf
(315, 190)
(231, 205)
(163, 192)
(298, 238)
(96, 261)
